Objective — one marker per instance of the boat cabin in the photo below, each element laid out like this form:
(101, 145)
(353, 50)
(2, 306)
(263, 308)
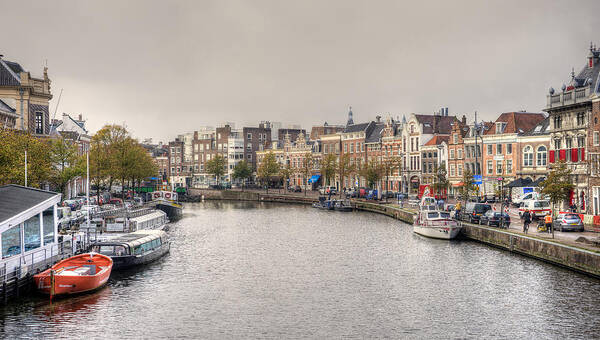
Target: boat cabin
(28, 229)
(134, 248)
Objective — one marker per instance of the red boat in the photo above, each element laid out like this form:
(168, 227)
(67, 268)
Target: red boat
(77, 274)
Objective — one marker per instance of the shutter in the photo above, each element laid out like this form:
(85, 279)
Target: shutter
(574, 157)
(582, 154)
(562, 155)
(551, 156)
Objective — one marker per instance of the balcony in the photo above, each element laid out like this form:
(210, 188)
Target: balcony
(571, 97)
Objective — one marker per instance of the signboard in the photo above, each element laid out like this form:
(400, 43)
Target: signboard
(477, 179)
(499, 157)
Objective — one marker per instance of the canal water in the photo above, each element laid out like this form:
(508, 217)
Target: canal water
(256, 270)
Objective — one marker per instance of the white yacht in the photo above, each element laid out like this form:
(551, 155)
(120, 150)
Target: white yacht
(431, 222)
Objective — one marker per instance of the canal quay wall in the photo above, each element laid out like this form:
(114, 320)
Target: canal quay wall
(551, 251)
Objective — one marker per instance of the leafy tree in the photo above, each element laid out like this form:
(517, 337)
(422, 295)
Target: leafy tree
(308, 162)
(388, 167)
(108, 147)
(286, 172)
(372, 172)
(216, 167)
(558, 185)
(242, 171)
(328, 168)
(13, 145)
(66, 163)
(344, 168)
(468, 186)
(268, 168)
(440, 179)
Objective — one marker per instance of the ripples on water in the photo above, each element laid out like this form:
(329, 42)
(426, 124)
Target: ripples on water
(249, 270)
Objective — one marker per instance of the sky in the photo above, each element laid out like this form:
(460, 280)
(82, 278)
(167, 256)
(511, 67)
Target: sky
(168, 67)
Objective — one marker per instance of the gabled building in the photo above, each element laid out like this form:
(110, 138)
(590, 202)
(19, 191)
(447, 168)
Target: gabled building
(455, 164)
(532, 158)
(434, 155)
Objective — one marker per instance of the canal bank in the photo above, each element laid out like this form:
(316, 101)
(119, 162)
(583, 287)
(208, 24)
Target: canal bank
(575, 258)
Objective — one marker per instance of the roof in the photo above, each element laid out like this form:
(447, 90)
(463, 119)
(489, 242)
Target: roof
(357, 127)
(16, 199)
(374, 134)
(10, 73)
(517, 122)
(542, 128)
(7, 109)
(443, 124)
(438, 139)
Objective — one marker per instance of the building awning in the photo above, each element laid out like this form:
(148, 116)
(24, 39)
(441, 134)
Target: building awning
(314, 178)
(459, 184)
(519, 182)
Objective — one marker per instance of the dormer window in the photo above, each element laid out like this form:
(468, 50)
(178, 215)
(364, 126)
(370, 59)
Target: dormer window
(500, 126)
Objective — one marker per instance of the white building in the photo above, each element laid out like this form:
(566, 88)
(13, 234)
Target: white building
(235, 151)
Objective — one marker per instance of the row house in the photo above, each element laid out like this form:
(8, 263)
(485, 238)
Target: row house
(24, 100)
(532, 164)
(456, 142)
(502, 149)
(434, 156)
(322, 130)
(256, 139)
(574, 127)
(391, 148)
(353, 143)
(176, 177)
(417, 131)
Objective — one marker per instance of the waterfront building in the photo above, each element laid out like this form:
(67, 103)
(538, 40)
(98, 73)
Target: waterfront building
(28, 230)
(256, 139)
(456, 165)
(434, 156)
(24, 99)
(532, 154)
(321, 130)
(353, 143)
(176, 176)
(503, 154)
(573, 128)
(235, 151)
(391, 148)
(292, 132)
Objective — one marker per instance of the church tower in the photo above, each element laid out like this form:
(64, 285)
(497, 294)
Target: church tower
(350, 120)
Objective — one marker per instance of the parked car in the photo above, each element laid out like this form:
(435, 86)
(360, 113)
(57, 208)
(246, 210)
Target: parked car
(328, 190)
(116, 201)
(73, 204)
(568, 221)
(473, 211)
(388, 194)
(494, 218)
(537, 208)
(63, 215)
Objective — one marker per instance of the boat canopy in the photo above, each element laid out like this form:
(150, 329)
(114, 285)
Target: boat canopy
(147, 217)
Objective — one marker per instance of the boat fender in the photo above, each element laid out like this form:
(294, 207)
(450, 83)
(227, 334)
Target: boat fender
(168, 195)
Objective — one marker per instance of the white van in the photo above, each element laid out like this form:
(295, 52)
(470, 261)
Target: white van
(537, 208)
(525, 197)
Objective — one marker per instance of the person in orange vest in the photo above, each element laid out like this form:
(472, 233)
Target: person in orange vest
(548, 222)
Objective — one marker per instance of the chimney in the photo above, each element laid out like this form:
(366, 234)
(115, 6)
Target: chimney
(378, 119)
(464, 120)
(436, 119)
(80, 117)
(446, 112)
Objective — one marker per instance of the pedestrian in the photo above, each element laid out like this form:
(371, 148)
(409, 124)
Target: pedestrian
(526, 221)
(573, 207)
(548, 222)
(457, 208)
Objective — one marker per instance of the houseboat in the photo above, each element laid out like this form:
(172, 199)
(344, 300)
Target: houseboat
(29, 231)
(167, 201)
(134, 249)
(112, 225)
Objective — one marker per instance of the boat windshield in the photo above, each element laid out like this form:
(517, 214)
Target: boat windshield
(438, 214)
(110, 250)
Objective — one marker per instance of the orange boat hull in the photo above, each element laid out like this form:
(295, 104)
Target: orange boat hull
(97, 266)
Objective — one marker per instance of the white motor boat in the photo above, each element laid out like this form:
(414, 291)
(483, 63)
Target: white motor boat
(434, 223)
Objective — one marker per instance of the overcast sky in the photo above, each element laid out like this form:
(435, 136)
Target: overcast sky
(168, 67)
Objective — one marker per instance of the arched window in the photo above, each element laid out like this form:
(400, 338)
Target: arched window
(542, 156)
(528, 156)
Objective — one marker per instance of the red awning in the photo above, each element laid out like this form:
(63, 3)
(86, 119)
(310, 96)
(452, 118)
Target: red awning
(459, 184)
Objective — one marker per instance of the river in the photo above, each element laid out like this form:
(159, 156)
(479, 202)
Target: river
(258, 270)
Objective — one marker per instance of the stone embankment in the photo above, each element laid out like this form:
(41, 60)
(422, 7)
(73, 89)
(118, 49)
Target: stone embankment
(552, 251)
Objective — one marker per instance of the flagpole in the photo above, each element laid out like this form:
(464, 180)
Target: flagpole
(87, 187)
(25, 167)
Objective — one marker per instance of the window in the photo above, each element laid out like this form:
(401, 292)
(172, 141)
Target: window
(32, 233)
(509, 149)
(508, 166)
(557, 144)
(412, 145)
(581, 142)
(39, 123)
(568, 143)
(500, 127)
(451, 153)
(542, 156)
(11, 241)
(460, 156)
(557, 122)
(452, 170)
(455, 137)
(352, 148)
(499, 167)
(596, 138)
(417, 143)
(249, 136)
(580, 118)
(460, 169)
(498, 149)
(490, 149)
(249, 157)
(528, 156)
(490, 167)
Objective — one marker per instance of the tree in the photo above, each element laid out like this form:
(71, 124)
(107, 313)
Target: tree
(388, 167)
(13, 145)
(66, 163)
(440, 180)
(108, 147)
(306, 167)
(286, 172)
(268, 168)
(558, 184)
(216, 167)
(468, 185)
(242, 171)
(372, 172)
(344, 168)
(328, 168)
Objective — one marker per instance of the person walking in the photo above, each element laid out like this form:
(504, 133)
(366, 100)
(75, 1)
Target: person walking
(457, 208)
(526, 221)
(548, 222)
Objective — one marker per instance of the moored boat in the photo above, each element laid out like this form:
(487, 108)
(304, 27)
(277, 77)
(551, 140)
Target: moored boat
(341, 205)
(133, 249)
(76, 274)
(436, 224)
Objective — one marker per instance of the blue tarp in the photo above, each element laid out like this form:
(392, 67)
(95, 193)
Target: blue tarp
(314, 178)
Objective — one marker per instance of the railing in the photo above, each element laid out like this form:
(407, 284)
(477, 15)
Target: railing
(569, 97)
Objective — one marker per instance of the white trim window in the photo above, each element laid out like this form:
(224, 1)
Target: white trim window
(542, 156)
(490, 167)
(528, 156)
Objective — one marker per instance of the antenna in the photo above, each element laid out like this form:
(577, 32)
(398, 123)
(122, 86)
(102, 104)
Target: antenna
(58, 102)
